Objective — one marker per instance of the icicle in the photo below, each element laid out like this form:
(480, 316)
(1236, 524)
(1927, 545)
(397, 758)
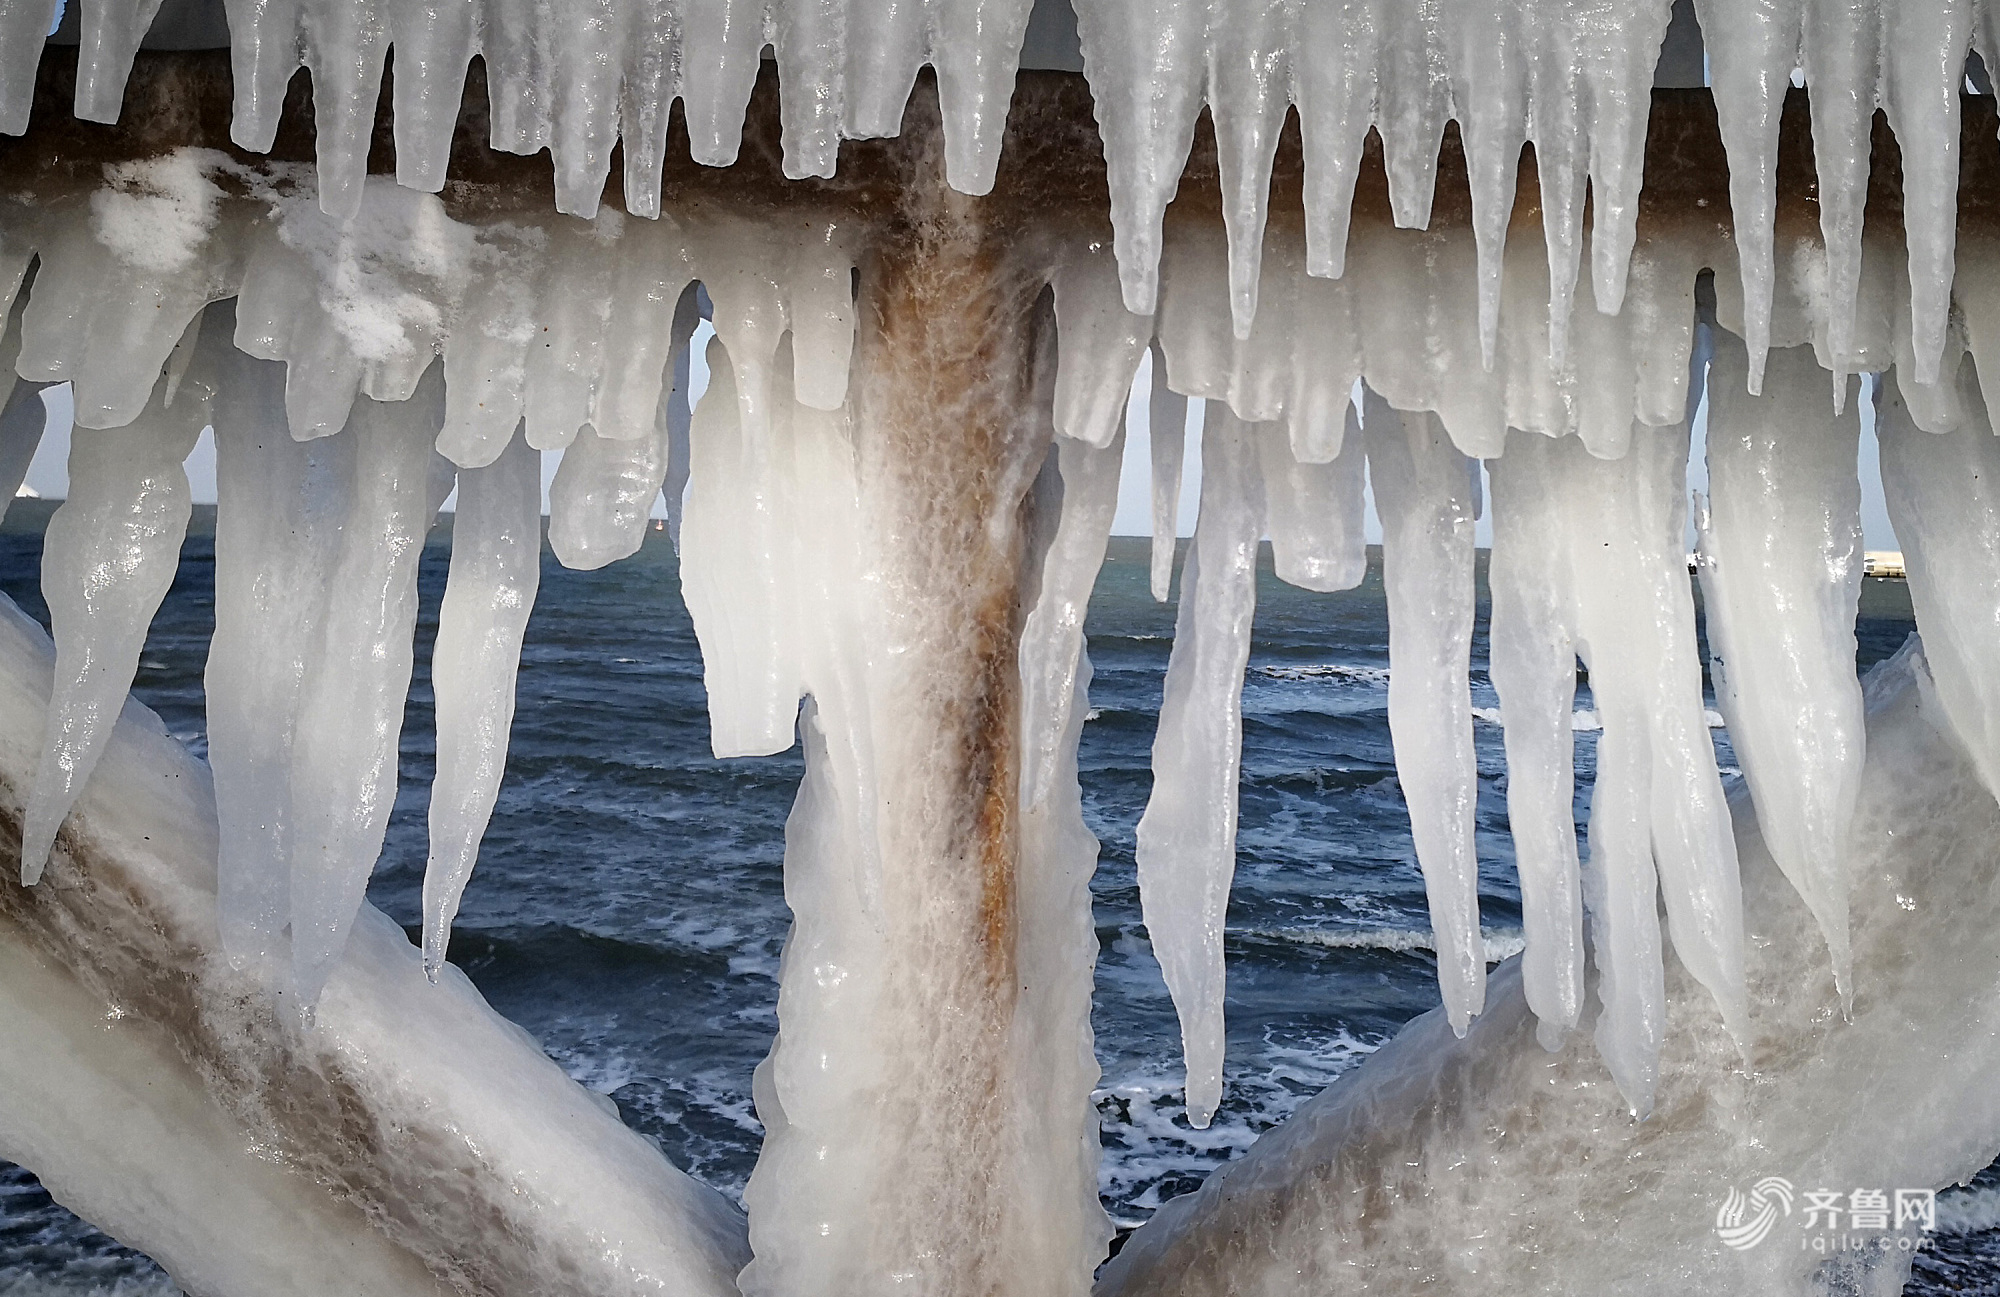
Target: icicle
(1167, 415)
(1422, 495)
(566, 355)
(486, 362)
(732, 576)
(1491, 94)
(1923, 77)
(110, 34)
(976, 48)
(1414, 101)
(1187, 836)
(1753, 45)
(24, 26)
(820, 292)
(1639, 643)
(1313, 511)
(1322, 363)
(343, 776)
(1621, 891)
(1335, 92)
(1841, 48)
(496, 546)
(433, 44)
(114, 293)
(263, 54)
(1249, 73)
(1781, 579)
(1148, 93)
(1099, 344)
(1609, 538)
(603, 493)
(109, 555)
(1054, 665)
(1532, 657)
(280, 507)
(344, 47)
(652, 272)
(1617, 53)
(1055, 1070)
(1943, 491)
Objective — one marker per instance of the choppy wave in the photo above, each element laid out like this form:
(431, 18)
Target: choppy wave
(1152, 1154)
(46, 1252)
(1972, 1210)
(1584, 720)
(1325, 671)
(1500, 944)
(37, 1286)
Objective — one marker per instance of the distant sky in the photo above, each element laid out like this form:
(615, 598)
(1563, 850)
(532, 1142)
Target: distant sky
(49, 475)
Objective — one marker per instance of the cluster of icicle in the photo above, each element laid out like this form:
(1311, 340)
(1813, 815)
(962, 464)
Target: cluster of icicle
(574, 79)
(574, 335)
(570, 340)
(1571, 78)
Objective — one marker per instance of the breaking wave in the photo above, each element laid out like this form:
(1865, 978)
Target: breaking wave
(1500, 945)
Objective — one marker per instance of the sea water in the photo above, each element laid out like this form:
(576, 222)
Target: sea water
(628, 907)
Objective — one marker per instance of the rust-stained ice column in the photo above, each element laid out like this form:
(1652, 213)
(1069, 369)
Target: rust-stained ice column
(928, 1096)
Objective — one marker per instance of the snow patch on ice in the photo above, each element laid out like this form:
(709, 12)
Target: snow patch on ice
(366, 265)
(155, 214)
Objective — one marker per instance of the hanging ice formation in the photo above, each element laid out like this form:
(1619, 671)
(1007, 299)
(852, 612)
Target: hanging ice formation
(891, 505)
(1782, 525)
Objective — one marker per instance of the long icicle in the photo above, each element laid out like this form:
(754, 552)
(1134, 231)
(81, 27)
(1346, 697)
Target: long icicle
(1052, 644)
(1532, 657)
(1943, 492)
(280, 504)
(1057, 1068)
(109, 555)
(1753, 45)
(1659, 826)
(1781, 580)
(1423, 496)
(1187, 836)
(351, 716)
(496, 548)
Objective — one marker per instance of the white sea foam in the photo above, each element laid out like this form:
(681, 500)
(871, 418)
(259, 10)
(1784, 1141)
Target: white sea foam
(1151, 1153)
(1584, 720)
(40, 1286)
(1972, 1210)
(1378, 676)
(1501, 944)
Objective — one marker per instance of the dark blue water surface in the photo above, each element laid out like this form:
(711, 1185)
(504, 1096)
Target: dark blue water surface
(628, 908)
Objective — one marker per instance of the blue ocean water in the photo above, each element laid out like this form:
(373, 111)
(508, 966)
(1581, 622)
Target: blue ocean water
(628, 908)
